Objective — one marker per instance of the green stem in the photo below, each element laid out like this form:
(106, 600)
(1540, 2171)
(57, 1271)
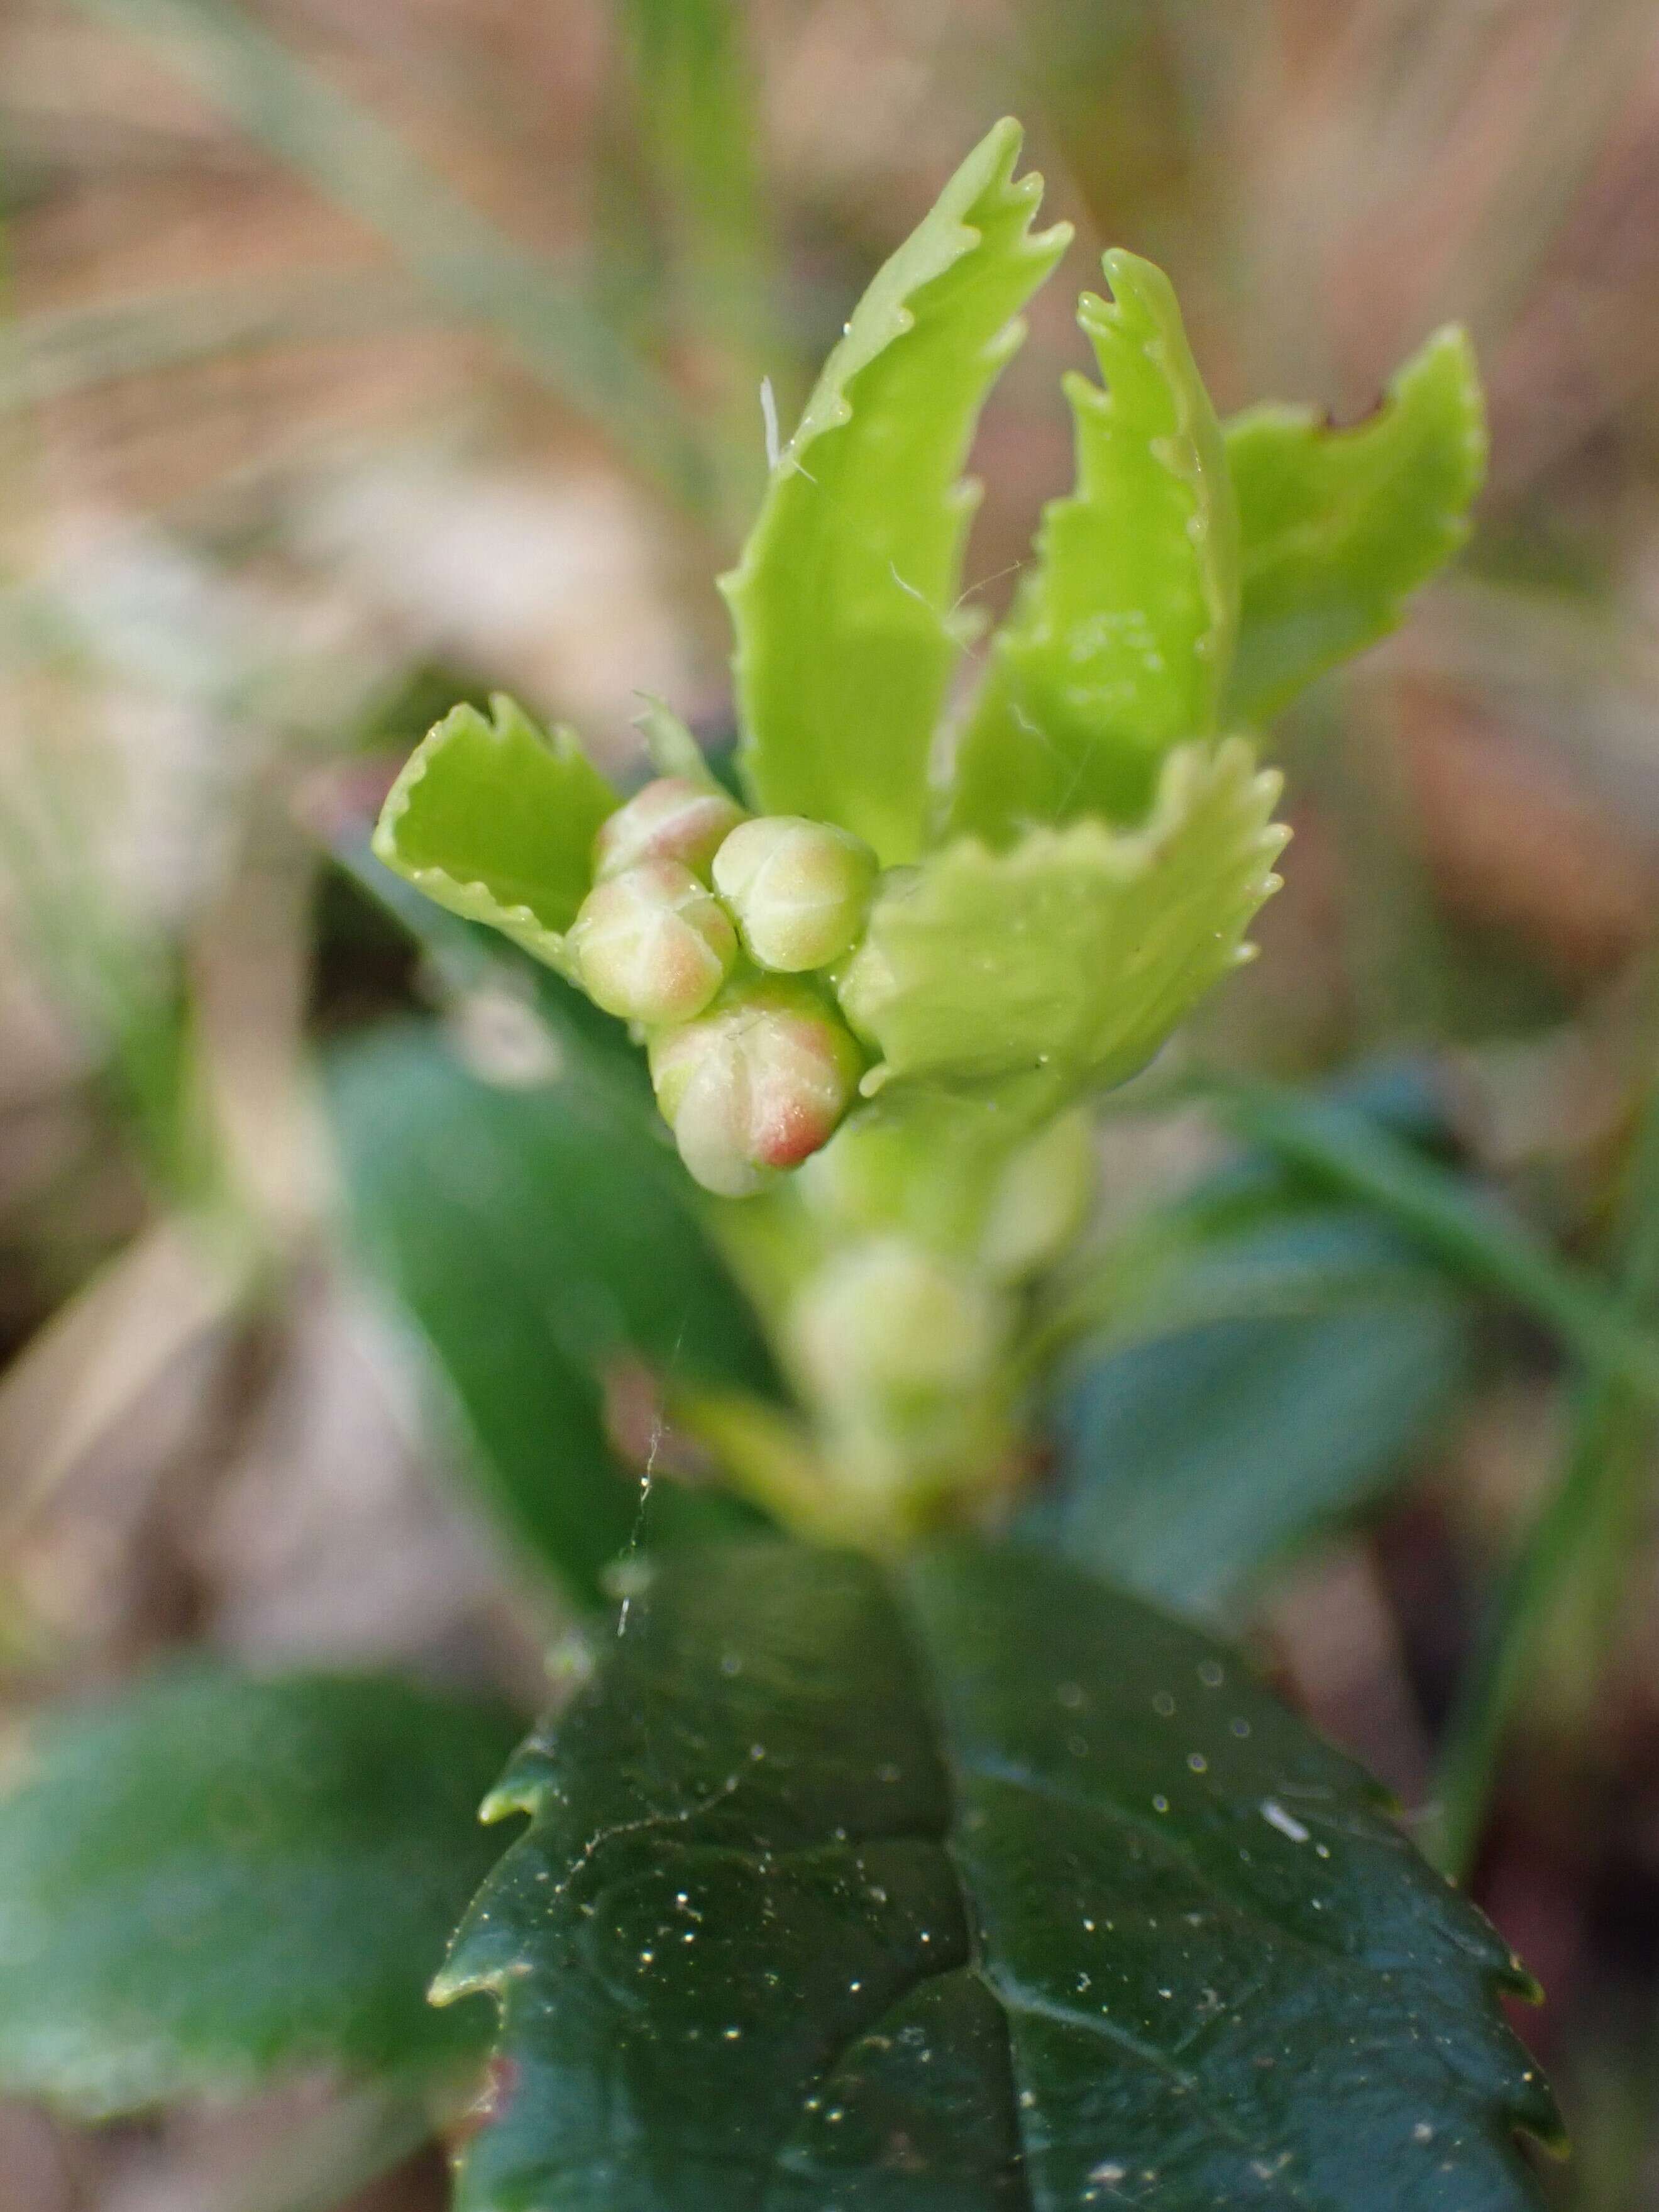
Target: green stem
(1583, 1530)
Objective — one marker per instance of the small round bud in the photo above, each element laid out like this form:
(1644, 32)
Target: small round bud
(799, 890)
(672, 819)
(755, 1086)
(652, 945)
(887, 1320)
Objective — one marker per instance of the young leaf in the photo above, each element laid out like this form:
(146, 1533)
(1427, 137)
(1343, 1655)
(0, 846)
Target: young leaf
(969, 1888)
(1079, 949)
(1120, 638)
(844, 600)
(496, 822)
(210, 1878)
(1338, 526)
(541, 1237)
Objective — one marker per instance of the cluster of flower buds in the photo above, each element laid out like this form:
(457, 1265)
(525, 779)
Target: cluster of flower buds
(704, 926)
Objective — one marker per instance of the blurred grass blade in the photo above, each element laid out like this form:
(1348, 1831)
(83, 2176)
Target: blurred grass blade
(113, 974)
(62, 351)
(172, 1289)
(462, 260)
(1580, 1546)
(693, 92)
(1345, 1150)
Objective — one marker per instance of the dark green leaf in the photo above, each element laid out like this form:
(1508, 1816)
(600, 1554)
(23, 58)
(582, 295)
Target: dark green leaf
(976, 1889)
(541, 1237)
(1195, 1459)
(213, 1877)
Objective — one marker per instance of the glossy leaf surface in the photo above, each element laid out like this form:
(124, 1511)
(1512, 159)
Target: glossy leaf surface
(974, 1889)
(210, 1878)
(544, 1239)
(1121, 636)
(1338, 525)
(843, 603)
(1079, 950)
(496, 821)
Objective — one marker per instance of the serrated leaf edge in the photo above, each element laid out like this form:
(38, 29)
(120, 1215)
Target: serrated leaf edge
(1528, 2110)
(1448, 527)
(1452, 524)
(1124, 856)
(988, 170)
(473, 901)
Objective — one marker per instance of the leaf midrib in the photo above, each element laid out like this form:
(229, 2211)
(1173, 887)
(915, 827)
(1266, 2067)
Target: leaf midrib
(1009, 2000)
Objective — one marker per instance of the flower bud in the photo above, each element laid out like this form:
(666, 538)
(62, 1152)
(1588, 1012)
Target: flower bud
(797, 890)
(652, 945)
(672, 819)
(755, 1086)
(888, 1322)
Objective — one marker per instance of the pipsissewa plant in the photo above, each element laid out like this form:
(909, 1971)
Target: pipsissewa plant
(883, 1864)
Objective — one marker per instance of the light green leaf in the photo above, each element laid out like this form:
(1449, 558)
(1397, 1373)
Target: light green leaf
(1121, 637)
(496, 822)
(210, 1878)
(843, 602)
(1338, 526)
(1078, 951)
(970, 1886)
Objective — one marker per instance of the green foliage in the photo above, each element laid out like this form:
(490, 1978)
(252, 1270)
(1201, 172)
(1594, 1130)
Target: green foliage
(1335, 1147)
(541, 1239)
(1315, 1362)
(844, 601)
(1338, 525)
(1077, 951)
(1121, 636)
(213, 1877)
(970, 1885)
(496, 822)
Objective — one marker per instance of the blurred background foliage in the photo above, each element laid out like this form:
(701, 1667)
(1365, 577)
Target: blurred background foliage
(356, 358)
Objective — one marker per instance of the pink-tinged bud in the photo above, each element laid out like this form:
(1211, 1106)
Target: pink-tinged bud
(799, 891)
(755, 1086)
(652, 945)
(672, 819)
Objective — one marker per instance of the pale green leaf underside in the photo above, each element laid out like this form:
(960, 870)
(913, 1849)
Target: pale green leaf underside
(496, 821)
(1079, 950)
(974, 1887)
(843, 601)
(1121, 636)
(1338, 526)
